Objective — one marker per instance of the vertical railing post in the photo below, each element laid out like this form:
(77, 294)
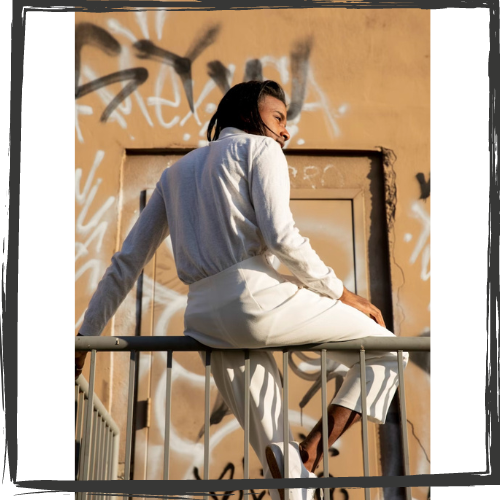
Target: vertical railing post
(109, 459)
(364, 418)
(166, 449)
(286, 432)
(93, 451)
(100, 458)
(324, 416)
(246, 427)
(106, 452)
(79, 440)
(404, 430)
(130, 414)
(110, 455)
(97, 474)
(77, 390)
(79, 496)
(103, 454)
(116, 449)
(89, 410)
(206, 448)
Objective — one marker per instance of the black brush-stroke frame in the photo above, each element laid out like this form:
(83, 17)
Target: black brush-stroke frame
(156, 489)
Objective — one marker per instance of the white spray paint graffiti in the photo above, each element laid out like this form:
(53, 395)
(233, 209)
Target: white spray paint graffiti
(92, 231)
(117, 29)
(161, 15)
(141, 17)
(310, 175)
(315, 176)
(157, 101)
(422, 246)
(338, 172)
(81, 110)
(324, 106)
(280, 63)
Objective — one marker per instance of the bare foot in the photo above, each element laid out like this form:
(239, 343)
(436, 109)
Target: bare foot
(307, 459)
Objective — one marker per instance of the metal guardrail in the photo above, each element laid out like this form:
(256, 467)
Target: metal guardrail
(97, 436)
(171, 344)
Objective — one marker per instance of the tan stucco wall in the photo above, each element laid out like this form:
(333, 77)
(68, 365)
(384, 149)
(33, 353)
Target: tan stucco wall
(368, 85)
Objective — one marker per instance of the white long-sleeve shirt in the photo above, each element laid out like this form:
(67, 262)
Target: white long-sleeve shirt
(222, 203)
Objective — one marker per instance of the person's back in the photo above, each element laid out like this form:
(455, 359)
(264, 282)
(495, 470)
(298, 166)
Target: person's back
(209, 203)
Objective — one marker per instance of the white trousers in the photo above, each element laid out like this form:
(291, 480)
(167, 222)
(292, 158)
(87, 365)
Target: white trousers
(250, 305)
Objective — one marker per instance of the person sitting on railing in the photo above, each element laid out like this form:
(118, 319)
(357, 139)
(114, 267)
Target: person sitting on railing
(226, 207)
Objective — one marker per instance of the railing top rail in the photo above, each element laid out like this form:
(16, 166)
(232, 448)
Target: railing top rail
(184, 343)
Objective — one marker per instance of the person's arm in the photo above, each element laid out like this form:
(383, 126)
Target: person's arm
(270, 190)
(137, 250)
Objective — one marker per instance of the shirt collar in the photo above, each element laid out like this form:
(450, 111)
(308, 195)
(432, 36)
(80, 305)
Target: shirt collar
(228, 131)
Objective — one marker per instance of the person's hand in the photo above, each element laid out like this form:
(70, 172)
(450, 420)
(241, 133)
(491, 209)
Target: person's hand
(79, 362)
(361, 304)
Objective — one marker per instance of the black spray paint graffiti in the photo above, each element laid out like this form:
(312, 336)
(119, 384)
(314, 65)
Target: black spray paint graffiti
(300, 66)
(342, 491)
(220, 75)
(137, 76)
(90, 34)
(425, 186)
(300, 54)
(230, 468)
(182, 65)
(253, 70)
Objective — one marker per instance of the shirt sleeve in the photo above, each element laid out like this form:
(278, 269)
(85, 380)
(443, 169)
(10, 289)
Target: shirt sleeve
(138, 248)
(270, 192)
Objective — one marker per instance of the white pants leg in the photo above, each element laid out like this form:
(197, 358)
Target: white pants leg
(249, 306)
(266, 411)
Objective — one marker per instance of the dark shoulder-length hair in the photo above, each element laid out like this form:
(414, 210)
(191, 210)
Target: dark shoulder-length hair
(240, 108)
